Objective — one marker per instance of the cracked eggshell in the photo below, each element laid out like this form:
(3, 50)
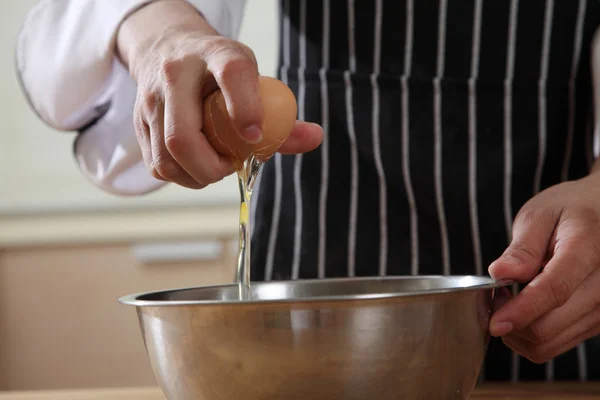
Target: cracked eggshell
(220, 132)
(280, 111)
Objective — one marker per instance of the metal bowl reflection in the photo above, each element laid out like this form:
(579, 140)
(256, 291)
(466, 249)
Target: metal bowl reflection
(356, 338)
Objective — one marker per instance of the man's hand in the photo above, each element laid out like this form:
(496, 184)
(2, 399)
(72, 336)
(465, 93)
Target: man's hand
(556, 248)
(178, 59)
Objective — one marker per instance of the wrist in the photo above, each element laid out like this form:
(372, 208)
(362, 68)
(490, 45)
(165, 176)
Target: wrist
(143, 30)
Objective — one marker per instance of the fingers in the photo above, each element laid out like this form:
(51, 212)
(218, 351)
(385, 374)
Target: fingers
(182, 122)
(540, 352)
(304, 138)
(575, 257)
(168, 113)
(236, 74)
(142, 133)
(549, 290)
(168, 130)
(501, 297)
(162, 165)
(522, 260)
(549, 326)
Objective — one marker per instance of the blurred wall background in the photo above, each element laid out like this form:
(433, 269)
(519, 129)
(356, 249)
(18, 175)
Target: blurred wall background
(37, 170)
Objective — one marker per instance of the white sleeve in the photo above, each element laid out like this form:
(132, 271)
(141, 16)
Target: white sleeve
(68, 70)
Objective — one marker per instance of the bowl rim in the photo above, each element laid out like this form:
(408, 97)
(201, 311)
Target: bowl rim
(134, 299)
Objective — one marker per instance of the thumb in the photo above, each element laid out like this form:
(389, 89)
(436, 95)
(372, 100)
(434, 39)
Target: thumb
(523, 259)
(304, 138)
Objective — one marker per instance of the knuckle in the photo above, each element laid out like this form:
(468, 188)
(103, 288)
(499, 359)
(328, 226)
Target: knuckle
(590, 215)
(150, 101)
(559, 291)
(170, 70)
(175, 144)
(537, 356)
(249, 52)
(196, 186)
(530, 214)
(155, 174)
(168, 169)
(533, 214)
(539, 334)
(235, 63)
(522, 253)
(536, 353)
(213, 44)
(219, 45)
(213, 175)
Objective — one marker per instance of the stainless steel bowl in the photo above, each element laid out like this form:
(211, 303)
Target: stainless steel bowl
(333, 339)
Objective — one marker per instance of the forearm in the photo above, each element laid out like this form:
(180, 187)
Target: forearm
(144, 28)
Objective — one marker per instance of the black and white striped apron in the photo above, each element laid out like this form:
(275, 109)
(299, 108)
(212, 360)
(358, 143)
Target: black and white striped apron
(442, 118)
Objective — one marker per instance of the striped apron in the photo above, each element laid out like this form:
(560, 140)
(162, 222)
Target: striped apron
(441, 118)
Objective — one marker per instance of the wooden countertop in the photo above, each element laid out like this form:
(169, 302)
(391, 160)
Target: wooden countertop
(571, 391)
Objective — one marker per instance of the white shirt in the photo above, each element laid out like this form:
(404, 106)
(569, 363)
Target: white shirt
(69, 70)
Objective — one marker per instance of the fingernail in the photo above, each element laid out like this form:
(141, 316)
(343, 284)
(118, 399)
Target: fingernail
(252, 134)
(501, 328)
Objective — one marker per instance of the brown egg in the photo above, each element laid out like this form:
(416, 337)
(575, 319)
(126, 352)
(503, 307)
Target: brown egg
(280, 110)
